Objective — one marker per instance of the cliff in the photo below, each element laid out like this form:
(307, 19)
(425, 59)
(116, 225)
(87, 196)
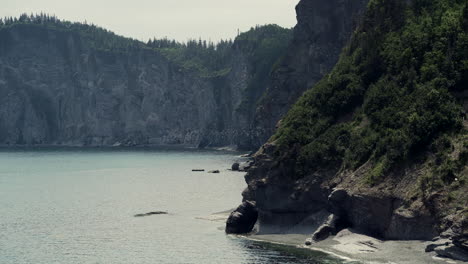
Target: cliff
(72, 84)
(323, 29)
(380, 143)
(75, 84)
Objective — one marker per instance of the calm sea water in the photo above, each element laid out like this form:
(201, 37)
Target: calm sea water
(78, 206)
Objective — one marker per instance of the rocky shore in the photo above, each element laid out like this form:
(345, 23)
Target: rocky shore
(348, 245)
(313, 210)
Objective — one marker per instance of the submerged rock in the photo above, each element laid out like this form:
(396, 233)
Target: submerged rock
(213, 171)
(243, 219)
(151, 213)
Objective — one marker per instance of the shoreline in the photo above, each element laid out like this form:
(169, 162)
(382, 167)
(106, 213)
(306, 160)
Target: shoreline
(225, 148)
(149, 147)
(354, 247)
(283, 243)
(350, 246)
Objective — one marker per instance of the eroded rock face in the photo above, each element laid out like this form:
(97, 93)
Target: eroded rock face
(323, 28)
(285, 203)
(243, 219)
(55, 88)
(380, 215)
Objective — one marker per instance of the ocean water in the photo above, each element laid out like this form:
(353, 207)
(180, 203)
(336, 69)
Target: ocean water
(77, 206)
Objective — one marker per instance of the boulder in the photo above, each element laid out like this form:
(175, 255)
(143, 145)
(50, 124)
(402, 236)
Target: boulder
(322, 233)
(243, 219)
(325, 230)
(235, 166)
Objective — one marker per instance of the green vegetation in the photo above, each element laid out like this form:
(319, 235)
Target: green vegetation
(392, 94)
(204, 58)
(97, 37)
(262, 45)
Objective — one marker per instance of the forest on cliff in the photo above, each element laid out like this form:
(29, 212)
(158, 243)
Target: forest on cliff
(396, 98)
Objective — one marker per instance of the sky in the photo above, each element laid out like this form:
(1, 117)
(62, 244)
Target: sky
(175, 19)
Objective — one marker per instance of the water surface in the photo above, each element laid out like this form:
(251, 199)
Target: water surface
(78, 206)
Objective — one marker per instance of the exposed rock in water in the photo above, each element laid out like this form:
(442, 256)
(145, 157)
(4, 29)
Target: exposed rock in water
(151, 213)
(198, 170)
(243, 219)
(235, 166)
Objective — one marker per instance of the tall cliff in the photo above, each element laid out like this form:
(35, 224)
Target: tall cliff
(323, 29)
(380, 144)
(74, 84)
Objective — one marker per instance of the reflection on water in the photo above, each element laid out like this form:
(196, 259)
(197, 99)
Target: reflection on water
(78, 206)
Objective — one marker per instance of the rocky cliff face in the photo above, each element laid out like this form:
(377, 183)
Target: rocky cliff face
(369, 147)
(57, 88)
(323, 28)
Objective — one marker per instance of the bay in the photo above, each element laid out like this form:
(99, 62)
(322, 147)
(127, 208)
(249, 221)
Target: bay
(73, 205)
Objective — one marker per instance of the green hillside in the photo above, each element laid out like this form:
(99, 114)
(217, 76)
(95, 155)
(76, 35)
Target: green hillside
(394, 98)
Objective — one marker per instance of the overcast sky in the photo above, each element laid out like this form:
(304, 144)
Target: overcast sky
(176, 19)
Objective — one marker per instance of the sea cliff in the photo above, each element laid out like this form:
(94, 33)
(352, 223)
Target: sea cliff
(378, 145)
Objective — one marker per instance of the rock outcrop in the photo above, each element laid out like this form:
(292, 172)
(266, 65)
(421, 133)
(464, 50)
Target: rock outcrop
(243, 219)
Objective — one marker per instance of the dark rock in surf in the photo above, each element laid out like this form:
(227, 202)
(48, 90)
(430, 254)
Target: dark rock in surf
(235, 166)
(243, 219)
